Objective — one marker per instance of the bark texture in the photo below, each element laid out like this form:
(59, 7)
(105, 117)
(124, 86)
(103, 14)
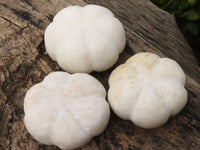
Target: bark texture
(24, 62)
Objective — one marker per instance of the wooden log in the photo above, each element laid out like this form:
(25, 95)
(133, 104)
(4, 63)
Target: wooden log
(24, 62)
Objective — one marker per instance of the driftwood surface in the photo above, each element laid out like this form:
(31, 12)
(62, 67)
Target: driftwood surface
(24, 62)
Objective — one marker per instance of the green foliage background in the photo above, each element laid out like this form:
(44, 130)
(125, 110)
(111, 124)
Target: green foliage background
(187, 14)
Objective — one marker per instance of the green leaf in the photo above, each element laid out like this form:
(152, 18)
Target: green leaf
(168, 4)
(192, 15)
(159, 3)
(184, 4)
(192, 2)
(162, 2)
(193, 27)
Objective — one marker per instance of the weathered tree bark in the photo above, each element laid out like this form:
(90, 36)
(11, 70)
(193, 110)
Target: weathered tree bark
(24, 62)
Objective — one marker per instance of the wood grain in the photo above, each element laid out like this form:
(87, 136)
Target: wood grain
(24, 62)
